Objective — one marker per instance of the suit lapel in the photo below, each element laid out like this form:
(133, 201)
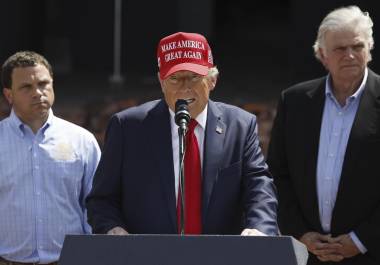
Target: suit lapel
(213, 151)
(311, 144)
(162, 151)
(365, 123)
(361, 126)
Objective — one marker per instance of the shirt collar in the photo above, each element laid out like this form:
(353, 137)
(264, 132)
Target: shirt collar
(20, 126)
(15, 120)
(358, 92)
(201, 118)
(50, 119)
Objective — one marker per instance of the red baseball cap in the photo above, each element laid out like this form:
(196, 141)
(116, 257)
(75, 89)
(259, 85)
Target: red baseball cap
(184, 51)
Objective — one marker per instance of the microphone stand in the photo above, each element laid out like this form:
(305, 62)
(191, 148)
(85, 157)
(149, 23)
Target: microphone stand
(182, 147)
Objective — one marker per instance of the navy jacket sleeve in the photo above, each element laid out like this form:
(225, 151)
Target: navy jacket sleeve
(290, 218)
(259, 191)
(103, 202)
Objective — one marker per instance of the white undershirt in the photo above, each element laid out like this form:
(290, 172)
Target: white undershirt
(199, 133)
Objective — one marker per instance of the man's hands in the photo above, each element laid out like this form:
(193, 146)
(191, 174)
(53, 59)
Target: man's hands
(325, 247)
(328, 248)
(252, 232)
(320, 246)
(119, 231)
(349, 249)
(246, 232)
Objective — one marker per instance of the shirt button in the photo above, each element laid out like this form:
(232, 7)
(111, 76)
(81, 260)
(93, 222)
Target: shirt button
(340, 113)
(326, 202)
(38, 193)
(36, 167)
(331, 155)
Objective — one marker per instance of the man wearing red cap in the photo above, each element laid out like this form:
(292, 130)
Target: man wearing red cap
(228, 189)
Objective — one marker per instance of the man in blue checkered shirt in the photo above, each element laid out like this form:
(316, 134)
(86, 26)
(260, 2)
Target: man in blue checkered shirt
(46, 167)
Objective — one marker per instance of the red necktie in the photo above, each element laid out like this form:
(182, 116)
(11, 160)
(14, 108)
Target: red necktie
(192, 184)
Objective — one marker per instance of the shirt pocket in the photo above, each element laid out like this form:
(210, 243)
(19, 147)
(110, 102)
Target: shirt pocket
(62, 162)
(65, 176)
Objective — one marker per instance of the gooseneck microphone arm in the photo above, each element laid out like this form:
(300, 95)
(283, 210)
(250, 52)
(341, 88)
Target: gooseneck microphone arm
(182, 119)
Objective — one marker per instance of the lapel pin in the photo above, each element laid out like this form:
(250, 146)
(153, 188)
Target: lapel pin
(219, 130)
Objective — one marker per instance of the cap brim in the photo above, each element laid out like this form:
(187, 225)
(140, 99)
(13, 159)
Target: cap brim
(196, 68)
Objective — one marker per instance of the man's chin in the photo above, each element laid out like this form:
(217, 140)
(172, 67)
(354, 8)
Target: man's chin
(352, 68)
(352, 72)
(42, 112)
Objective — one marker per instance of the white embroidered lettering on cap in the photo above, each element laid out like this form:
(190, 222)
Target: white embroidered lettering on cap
(173, 55)
(184, 51)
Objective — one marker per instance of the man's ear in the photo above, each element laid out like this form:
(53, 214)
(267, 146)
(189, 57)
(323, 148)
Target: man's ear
(211, 80)
(8, 95)
(160, 80)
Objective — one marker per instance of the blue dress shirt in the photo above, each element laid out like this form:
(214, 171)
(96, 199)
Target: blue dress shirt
(44, 179)
(336, 125)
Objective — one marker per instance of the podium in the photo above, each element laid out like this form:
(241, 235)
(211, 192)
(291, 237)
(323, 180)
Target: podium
(181, 250)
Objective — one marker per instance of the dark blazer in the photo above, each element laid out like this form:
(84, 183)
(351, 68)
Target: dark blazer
(134, 184)
(292, 159)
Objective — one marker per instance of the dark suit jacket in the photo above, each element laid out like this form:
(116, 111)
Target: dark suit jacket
(134, 183)
(292, 159)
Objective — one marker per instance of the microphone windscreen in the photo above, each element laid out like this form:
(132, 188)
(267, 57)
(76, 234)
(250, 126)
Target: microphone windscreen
(181, 112)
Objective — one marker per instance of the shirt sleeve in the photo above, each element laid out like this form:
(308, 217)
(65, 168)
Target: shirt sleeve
(358, 243)
(92, 160)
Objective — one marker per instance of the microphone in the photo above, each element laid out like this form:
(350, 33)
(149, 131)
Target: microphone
(182, 118)
(182, 115)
